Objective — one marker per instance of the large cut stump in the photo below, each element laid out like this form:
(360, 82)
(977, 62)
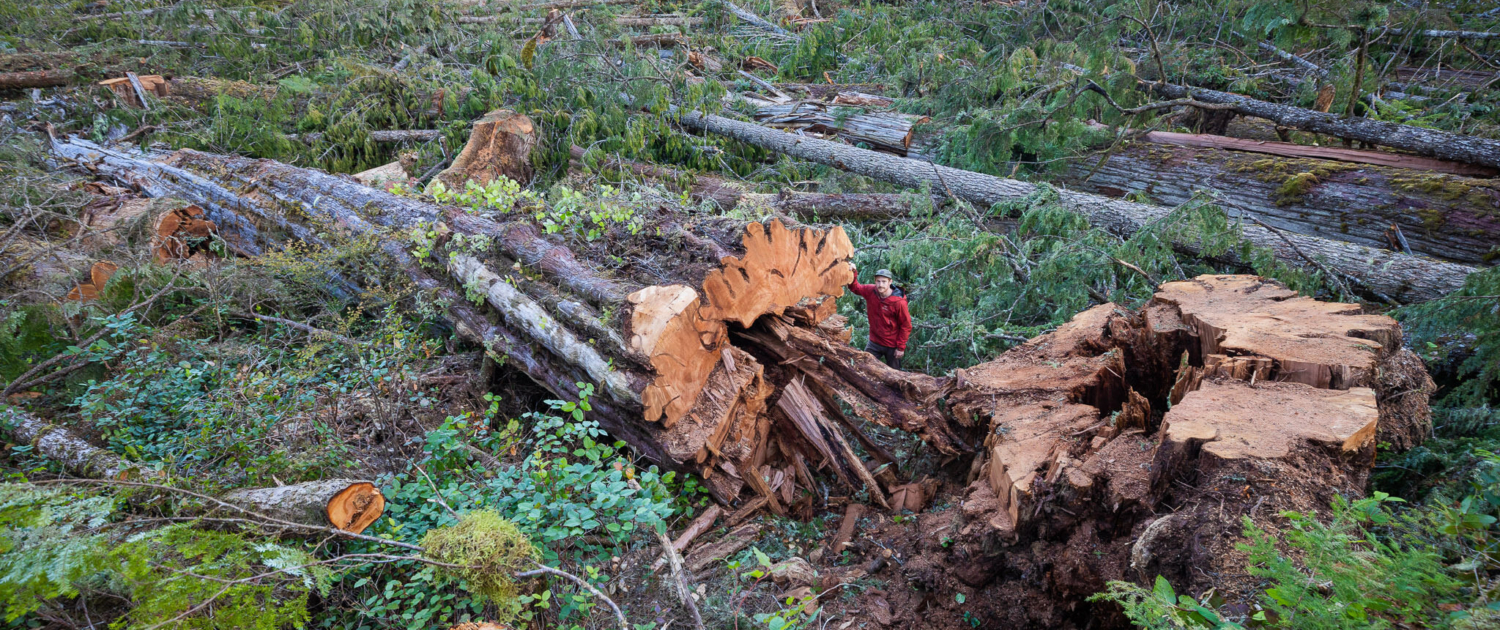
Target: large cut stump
(1144, 437)
(499, 145)
(1242, 321)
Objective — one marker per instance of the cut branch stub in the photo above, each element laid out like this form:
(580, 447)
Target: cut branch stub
(99, 274)
(182, 234)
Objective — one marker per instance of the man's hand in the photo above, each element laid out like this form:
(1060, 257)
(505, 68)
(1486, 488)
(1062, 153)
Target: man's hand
(900, 353)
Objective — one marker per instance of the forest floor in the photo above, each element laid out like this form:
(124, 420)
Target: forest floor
(189, 349)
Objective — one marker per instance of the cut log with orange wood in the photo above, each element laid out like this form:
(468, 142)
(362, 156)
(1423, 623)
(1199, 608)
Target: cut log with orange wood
(345, 504)
(89, 290)
(654, 338)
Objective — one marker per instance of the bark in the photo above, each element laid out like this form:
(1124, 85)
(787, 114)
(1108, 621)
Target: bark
(1428, 142)
(347, 504)
(1396, 275)
(76, 455)
(658, 20)
(1306, 65)
(36, 79)
(1444, 216)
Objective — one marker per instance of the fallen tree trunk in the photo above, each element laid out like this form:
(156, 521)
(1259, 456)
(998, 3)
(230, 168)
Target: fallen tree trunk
(883, 131)
(1288, 149)
(1391, 274)
(1443, 216)
(1428, 142)
(347, 504)
(671, 383)
(809, 206)
(75, 454)
(35, 79)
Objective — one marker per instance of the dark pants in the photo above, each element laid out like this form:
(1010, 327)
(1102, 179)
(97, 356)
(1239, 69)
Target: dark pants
(886, 355)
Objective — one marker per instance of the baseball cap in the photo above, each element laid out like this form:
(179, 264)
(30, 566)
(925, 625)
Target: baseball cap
(885, 273)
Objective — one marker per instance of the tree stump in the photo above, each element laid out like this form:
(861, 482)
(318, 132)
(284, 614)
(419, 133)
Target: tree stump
(499, 145)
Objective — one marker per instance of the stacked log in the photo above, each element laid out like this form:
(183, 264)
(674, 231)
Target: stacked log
(1445, 216)
(673, 381)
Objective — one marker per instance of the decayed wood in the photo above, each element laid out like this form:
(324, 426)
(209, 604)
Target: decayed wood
(1422, 141)
(1444, 216)
(350, 505)
(35, 79)
(1397, 275)
(76, 455)
(852, 514)
(499, 145)
(705, 556)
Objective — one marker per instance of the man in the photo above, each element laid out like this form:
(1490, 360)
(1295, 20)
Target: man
(890, 321)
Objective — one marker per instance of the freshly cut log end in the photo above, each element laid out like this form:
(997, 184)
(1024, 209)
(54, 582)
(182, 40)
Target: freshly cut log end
(356, 507)
(346, 504)
(666, 325)
(182, 234)
(780, 267)
(99, 274)
(499, 145)
(1232, 419)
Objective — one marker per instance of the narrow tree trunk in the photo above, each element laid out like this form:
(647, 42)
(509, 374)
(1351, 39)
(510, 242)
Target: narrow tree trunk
(1443, 216)
(347, 504)
(76, 455)
(1396, 275)
(1428, 142)
(888, 132)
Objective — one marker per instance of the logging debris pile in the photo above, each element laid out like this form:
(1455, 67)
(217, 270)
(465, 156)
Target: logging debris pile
(410, 314)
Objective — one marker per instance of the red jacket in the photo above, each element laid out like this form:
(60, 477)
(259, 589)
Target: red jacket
(890, 321)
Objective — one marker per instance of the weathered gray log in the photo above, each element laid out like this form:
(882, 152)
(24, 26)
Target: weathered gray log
(1399, 276)
(1444, 216)
(76, 455)
(1454, 34)
(1429, 142)
(806, 205)
(385, 136)
(885, 131)
(346, 504)
(758, 22)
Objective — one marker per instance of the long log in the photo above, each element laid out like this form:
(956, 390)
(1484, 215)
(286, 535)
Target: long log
(729, 195)
(1400, 276)
(35, 79)
(1443, 216)
(347, 504)
(75, 454)
(1418, 140)
(1288, 149)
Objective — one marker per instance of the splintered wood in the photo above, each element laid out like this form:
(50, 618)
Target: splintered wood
(1252, 372)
